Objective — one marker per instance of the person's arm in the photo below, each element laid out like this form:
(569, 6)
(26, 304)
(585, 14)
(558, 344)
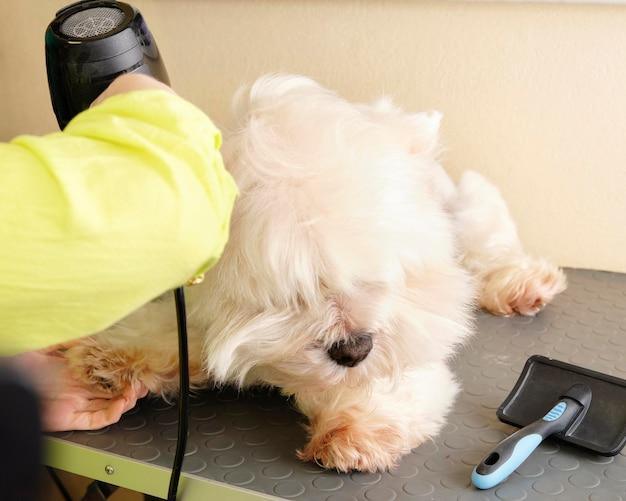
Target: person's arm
(130, 82)
(130, 200)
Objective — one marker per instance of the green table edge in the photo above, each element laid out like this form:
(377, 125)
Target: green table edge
(138, 475)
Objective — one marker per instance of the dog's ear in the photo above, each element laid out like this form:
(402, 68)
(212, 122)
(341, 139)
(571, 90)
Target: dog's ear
(425, 138)
(269, 90)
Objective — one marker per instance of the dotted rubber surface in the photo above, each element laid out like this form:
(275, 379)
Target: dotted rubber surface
(249, 440)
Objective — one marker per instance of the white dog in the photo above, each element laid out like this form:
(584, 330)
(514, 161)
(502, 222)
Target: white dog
(350, 276)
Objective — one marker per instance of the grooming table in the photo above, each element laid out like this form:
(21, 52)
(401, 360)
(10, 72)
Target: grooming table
(241, 447)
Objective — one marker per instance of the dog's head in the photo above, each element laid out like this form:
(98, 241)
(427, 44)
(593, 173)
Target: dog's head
(340, 265)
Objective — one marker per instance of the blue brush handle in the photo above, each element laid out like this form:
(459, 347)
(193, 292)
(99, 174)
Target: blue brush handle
(514, 450)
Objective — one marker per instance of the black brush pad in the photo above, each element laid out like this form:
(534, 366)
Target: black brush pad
(544, 380)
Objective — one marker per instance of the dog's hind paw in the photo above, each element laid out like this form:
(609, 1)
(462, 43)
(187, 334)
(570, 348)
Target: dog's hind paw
(523, 287)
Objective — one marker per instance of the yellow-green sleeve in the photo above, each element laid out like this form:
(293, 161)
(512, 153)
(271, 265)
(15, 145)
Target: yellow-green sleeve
(130, 200)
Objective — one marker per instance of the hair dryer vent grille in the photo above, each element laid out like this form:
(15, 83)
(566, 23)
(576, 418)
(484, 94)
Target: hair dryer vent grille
(94, 22)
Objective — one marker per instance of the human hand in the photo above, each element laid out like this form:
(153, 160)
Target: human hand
(68, 405)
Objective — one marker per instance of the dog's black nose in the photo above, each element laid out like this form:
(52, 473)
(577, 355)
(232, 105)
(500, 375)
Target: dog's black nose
(352, 351)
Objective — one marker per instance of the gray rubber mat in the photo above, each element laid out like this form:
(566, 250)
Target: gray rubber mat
(249, 440)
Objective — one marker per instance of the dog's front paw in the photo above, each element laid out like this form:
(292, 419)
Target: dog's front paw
(523, 287)
(100, 367)
(348, 445)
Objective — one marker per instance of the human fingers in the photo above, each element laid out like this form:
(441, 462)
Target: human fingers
(94, 420)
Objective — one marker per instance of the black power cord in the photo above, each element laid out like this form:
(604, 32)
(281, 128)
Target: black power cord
(183, 393)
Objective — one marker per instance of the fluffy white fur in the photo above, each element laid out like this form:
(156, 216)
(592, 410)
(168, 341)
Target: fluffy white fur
(346, 223)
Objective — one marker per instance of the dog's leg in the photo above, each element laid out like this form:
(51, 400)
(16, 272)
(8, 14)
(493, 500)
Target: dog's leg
(371, 429)
(509, 280)
(142, 348)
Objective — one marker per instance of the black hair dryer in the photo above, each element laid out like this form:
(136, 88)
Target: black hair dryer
(88, 45)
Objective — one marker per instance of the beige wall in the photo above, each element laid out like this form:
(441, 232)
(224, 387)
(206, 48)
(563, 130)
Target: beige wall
(534, 95)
